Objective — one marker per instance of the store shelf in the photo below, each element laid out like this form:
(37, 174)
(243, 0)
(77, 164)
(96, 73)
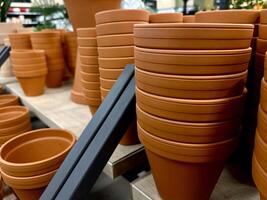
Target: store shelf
(6, 80)
(229, 187)
(56, 110)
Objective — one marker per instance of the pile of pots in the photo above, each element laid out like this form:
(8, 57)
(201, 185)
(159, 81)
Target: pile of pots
(14, 120)
(70, 50)
(114, 30)
(89, 66)
(190, 91)
(30, 68)
(20, 41)
(29, 161)
(8, 100)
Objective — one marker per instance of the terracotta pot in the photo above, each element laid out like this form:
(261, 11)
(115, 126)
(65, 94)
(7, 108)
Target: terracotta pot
(13, 115)
(263, 31)
(166, 18)
(92, 93)
(188, 132)
(30, 73)
(265, 67)
(260, 150)
(189, 19)
(193, 36)
(20, 41)
(263, 16)
(89, 60)
(188, 110)
(14, 157)
(93, 102)
(260, 178)
(27, 54)
(263, 97)
(90, 85)
(121, 15)
(191, 87)
(28, 188)
(28, 61)
(115, 63)
(26, 68)
(183, 162)
(15, 130)
(115, 40)
(86, 32)
(54, 78)
(228, 16)
(91, 69)
(130, 136)
(115, 52)
(87, 42)
(107, 83)
(1, 189)
(41, 36)
(261, 46)
(104, 92)
(110, 73)
(198, 62)
(8, 100)
(90, 77)
(88, 51)
(259, 60)
(33, 86)
(125, 27)
(87, 10)
(262, 123)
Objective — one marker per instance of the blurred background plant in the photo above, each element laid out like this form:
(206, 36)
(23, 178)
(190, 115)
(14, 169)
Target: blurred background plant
(248, 4)
(4, 6)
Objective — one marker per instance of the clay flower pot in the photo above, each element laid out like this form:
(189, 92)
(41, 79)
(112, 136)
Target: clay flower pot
(261, 46)
(8, 100)
(70, 48)
(188, 110)
(260, 150)
(197, 62)
(263, 31)
(166, 18)
(89, 60)
(90, 85)
(92, 93)
(110, 73)
(115, 52)
(263, 97)
(181, 163)
(107, 83)
(189, 19)
(88, 51)
(263, 16)
(191, 87)
(86, 32)
(115, 63)
(130, 136)
(259, 60)
(27, 54)
(15, 130)
(87, 42)
(90, 77)
(262, 124)
(20, 41)
(121, 15)
(193, 36)
(228, 16)
(104, 92)
(188, 132)
(115, 40)
(91, 69)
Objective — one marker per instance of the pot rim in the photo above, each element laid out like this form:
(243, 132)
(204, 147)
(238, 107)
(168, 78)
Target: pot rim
(110, 69)
(131, 35)
(115, 59)
(10, 97)
(115, 47)
(23, 111)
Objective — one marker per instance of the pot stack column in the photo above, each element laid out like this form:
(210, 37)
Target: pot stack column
(190, 90)
(114, 30)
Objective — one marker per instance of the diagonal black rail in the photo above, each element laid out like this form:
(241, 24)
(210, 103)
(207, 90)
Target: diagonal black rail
(4, 54)
(89, 135)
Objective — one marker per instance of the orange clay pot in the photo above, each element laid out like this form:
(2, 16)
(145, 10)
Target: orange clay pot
(166, 18)
(86, 32)
(261, 46)
(189, 19)
(263, 98)
(183, 162)
(28, 61)
(115, 52)
(262, 124)
(115, 40)
(90, 85)
(110, 73)
(91, 69)
(228, 16)
(54, 78)
(27, 68)
(104, 92)
(87, 42)
(20, 41)
(88, 51)
(263, 31)
(92, 93)
(15, 130)
(191, 87)
(263, 16)
(89, 60)
(107, 83)
(260, 150)
(30, 73)
(259, 60)
(115, 63)
(32, 86)
(188, 132)
(265, 67)
(27, 54)
(121, 15)
(188, 110)
(130, 136)
(8, 100)
(90, 77)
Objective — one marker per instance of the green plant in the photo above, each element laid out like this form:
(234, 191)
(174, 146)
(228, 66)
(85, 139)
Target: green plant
(4, 6)
(247, 4)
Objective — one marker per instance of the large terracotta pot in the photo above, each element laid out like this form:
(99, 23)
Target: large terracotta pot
(20, 41)
(130, 136)
(263, 96)
(180, 164)
(166, 18)
(263, 31)
(261, 46)
(88, 51)
(115, 63)
(260, 151)
(263, 16)
(110, 73)
(262, 124)
(113, 52)
(115, 40)
(8, 100)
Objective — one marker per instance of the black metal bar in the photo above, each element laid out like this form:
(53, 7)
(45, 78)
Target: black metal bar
(4, 54)
(88, 134)
(96, 156)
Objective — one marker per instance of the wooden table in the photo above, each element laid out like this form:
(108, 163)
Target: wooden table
(56, 110)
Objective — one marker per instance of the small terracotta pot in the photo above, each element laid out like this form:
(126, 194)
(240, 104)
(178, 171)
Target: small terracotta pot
(262, 124)
(94, 69)
(263, 16)
(261, 46)
(104, 92)
(89, 60)
(13, 115)
(183, 162)
(115, 52)
(125, 27)
(92, 93)
(87, 42)
(20, 41)
(193, 36)
(115, 63)
(107, 83)
(120, 15)
(166, 18)
(130, 136)
(110, 73)
(115, 40)
(33, 86)
(188, 132)
(8, 100)
(88, 51)
(228, 16)
(90, 85)
(191, 87)
(263, 31)
(86, 32)
(15, 130)
(189, 19)
(188, 110)
(28, 61)
(90, 77)
(27, 54)
(260, 151)
(54, 78)
(260, 178)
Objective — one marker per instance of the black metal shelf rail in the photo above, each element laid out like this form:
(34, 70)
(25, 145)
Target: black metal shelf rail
(4, 54)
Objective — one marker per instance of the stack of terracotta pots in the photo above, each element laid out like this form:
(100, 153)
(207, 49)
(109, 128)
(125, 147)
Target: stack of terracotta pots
(189, 19)
(116, 49)
(8, 100)
(2, 194)
(27, 166)
(20, 41)
(30, 68)
(259, 162)
(70, 49)
(190, 90)
(14, 121)
(52, 44)
(89, 66)
(166, 18)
